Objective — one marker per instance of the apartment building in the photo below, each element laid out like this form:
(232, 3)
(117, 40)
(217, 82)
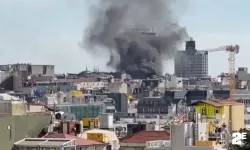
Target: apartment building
(89, 83)
(152, 105)
(189, 63)
(187, 136)
(32, 69)
(219, 112)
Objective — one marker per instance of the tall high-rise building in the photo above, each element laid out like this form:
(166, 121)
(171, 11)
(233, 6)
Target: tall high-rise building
(189, 63)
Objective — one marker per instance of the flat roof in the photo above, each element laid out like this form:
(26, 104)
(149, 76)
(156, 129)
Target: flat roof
(43, 142)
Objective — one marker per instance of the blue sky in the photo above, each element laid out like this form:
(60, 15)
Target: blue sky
(48, 31)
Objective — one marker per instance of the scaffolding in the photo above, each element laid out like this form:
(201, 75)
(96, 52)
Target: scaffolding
(83, 110)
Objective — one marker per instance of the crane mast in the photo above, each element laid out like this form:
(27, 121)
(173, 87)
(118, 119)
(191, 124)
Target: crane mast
(231, 64)
(232, 50)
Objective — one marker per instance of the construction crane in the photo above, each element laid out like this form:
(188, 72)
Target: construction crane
(232, 50)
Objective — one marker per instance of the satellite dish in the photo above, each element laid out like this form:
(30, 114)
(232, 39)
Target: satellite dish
(119, 128)
(65, 117)
(72, 117)
(28, 77)
(59, 115)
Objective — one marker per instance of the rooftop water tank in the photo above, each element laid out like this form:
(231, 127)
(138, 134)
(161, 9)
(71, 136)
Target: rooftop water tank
(106, 121)
(81, 126)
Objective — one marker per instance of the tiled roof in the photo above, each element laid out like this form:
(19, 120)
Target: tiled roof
(228, 102)
(217, 102)
(206, 102)
(144, 136)
(79, 141)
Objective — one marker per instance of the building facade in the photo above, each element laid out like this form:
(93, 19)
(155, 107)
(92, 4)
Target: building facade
(31, 126)
(48, 70)
(91, 85)
(219, 112)
(152, 105)
(190, 64)
(21, 77)
(121, 102)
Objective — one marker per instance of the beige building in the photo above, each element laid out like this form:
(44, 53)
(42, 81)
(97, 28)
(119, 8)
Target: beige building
(103, 136)
(120, 87)
(35, 108)
(10, 105)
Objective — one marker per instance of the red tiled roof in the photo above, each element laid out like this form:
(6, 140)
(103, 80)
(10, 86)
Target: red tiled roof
(144, 136)
(79, 141)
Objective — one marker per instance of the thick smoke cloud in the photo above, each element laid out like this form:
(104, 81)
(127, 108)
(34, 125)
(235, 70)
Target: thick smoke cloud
(135, 52)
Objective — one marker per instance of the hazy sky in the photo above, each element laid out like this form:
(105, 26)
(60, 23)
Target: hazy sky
(48, 31)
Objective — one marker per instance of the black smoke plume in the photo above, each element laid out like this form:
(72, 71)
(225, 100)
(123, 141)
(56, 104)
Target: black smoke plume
(138, 53)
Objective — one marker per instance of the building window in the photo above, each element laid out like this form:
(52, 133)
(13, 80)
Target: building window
(203, 111)
(109, 147)
(217, 111)
(135, 105)
(124, 129)
(90, 148)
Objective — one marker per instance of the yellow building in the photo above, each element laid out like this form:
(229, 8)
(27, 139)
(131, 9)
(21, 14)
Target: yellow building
(87, 121)
(76, 93)
(104, 136)
(221, 112)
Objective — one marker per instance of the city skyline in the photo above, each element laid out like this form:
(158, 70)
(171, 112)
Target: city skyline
(49, 32)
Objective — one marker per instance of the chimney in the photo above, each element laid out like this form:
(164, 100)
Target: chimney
(150, 127)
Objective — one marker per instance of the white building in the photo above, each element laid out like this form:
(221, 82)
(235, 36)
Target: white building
(172, 82)
(91, 85)
(120, 87)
